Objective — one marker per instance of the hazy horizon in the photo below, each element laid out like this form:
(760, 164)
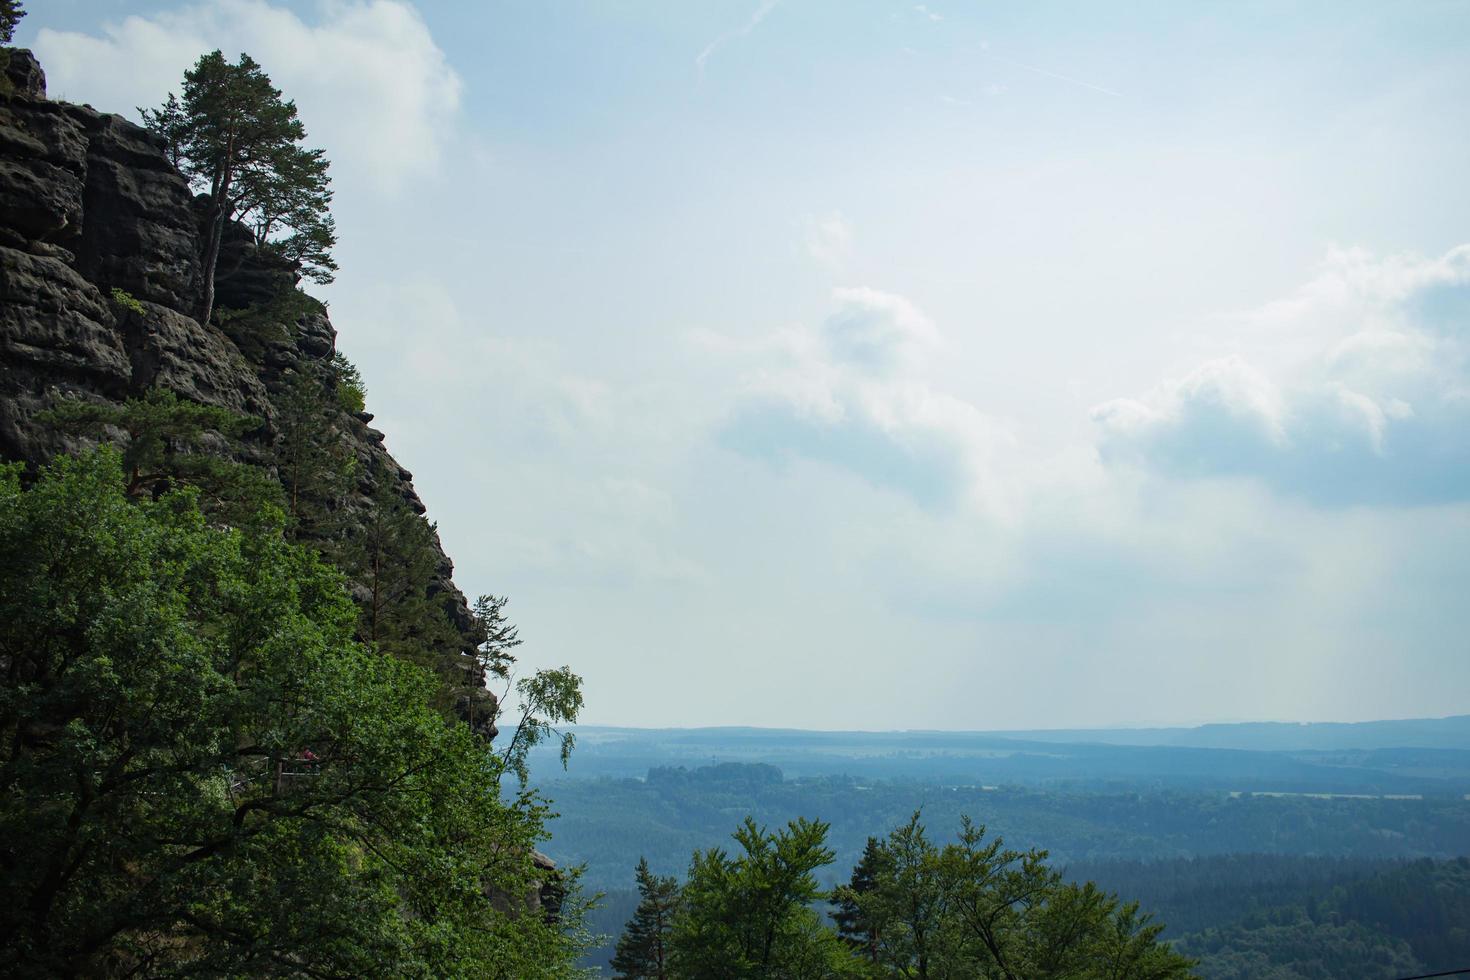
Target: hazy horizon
(1029, 367)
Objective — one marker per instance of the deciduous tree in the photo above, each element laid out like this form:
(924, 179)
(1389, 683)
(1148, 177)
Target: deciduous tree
(203, 773)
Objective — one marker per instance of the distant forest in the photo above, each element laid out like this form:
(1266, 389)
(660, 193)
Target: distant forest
(1261, 887)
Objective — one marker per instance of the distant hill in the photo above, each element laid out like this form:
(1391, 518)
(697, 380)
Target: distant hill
(1279, 736)
(1417, 757)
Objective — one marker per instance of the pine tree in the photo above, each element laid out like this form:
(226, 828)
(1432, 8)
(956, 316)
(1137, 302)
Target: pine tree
(10, 14)
(640, 953)
(236, 139)
(392, 558)
(313, 460)
(169, 442)
(852, 925)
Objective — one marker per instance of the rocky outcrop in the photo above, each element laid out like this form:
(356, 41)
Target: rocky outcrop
(100, 284)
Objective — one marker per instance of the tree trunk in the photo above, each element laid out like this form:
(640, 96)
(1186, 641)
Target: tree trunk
(210, 260)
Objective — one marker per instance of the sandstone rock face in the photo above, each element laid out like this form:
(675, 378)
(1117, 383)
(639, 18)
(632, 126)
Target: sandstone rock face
(89, 204)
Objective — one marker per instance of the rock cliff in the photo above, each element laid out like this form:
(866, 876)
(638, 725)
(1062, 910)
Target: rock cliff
(89, 205)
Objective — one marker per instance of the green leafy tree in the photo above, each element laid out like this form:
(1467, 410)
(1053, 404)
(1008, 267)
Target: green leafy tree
(202, 773)
(235, 138)
(974, 908)
(642, 950)
(546, 699)
(751, 915)
(905, 904)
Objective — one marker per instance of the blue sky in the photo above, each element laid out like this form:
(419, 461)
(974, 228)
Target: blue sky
(878, 365)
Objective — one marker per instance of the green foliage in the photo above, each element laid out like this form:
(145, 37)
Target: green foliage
(201, 772)
(751, 915)
(11, 11)
(256, 327)
(642, 952)
(847, 913)
(127, 301)
(1406, 918)
(498, 636)
(169, 442)
(608, 822)
(351, 392)
(546, 699)
(1288, 945)
(976, 909)
(236, 139)
(313, 459)
(390, 555)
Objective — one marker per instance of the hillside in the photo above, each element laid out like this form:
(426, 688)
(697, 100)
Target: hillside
(99, 277)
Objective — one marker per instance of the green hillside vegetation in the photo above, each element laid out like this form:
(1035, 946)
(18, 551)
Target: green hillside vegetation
(912, 909)
(205, 772)
(607, 823)
(1198, 861)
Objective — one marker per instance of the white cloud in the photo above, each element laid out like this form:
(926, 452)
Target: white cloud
(855, 393)
(373, 88)
(1352, 390)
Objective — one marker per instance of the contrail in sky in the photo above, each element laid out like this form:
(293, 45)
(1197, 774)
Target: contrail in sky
(760, 14)
(1052, 74)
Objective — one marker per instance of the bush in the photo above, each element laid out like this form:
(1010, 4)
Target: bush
(351, 392)
(126, 300)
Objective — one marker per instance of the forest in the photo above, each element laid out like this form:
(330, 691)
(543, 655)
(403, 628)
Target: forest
(1278, 886)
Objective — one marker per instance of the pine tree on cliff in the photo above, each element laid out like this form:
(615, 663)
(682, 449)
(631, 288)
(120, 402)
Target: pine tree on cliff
(640, 951)
(10, 15)
(234, 137)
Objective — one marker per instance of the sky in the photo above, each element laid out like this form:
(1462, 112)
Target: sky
(873, 365)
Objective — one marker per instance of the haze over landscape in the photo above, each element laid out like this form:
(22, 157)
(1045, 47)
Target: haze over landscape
(747, 490)
(880, 365)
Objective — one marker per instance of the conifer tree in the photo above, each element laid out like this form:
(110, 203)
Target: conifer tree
(236, 139)
(641, 952)
(168, 442)
(313, 461)
(10, 14)
(392, 558)
(852, 925)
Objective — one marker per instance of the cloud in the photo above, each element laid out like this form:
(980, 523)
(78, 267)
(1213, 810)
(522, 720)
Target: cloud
(924, 10)
(1364, 399)
(765, 8)
(828, 239)
(373, 88)
(853, 393)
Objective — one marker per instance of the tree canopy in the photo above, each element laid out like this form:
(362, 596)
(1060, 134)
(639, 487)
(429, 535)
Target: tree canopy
(236, 139)
(204, 772)
(751, 915)
(11, 11)
(913, 910)
(642, 952)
